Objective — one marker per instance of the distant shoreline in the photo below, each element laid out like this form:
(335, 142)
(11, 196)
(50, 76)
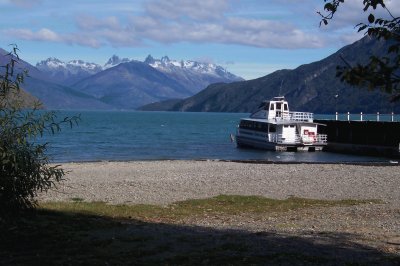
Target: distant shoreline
(389, 162)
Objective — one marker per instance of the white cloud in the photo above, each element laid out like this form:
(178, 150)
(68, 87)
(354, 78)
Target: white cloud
(206, 21)
(343, 30)
(272, 34)
(350, 13)
(41, 35)
(92, 23)
(176, 9)
(242, 31)
(50, 36)
(393, 6)
(92, 32)
(174, 21)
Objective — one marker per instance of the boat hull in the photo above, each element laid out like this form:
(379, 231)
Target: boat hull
(244, 142)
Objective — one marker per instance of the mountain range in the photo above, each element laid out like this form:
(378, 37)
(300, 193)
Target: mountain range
(118, 84)
(170, 85)
(311, 87)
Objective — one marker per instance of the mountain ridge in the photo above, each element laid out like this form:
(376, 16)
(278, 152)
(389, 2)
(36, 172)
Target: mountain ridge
(62, 71)
(37, 86)
(121, 83)
(128, 84)
(67, 72)
(310, 87)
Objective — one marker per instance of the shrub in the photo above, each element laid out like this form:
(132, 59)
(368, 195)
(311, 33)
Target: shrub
(25, 168)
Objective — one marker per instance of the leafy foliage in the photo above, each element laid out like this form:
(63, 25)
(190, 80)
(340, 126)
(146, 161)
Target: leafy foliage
(380, 72)
(24, 165)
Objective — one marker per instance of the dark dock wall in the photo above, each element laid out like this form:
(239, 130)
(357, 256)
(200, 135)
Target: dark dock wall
(362, 137)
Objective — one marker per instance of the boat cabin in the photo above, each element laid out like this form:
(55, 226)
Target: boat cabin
(277, 108)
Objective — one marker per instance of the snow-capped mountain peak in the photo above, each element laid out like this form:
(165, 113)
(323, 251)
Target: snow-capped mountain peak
(90, 67)
(115, 60)
(191, 74)
(149, 60)
(50, 63)
(165, 60)
(54, 64)
(167, 65)
(68, 72)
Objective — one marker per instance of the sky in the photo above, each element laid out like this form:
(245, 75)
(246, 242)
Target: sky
(250, 38)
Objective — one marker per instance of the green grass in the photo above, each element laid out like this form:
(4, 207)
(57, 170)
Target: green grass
(219, 205)
(96, 233)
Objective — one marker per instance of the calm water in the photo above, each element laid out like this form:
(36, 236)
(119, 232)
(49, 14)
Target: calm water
(117, 136)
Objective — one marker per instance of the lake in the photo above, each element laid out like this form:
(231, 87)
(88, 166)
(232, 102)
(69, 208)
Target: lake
(131, 135)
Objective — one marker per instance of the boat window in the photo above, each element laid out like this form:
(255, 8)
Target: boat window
(278, 106)
(272, 128)
(252, 125)
(261, 127)
(248, 124)
(285, 107)
(271, 106)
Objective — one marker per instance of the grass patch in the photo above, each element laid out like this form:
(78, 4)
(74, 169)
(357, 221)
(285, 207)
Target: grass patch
(76, 199)
(95, 233)
(219, 205)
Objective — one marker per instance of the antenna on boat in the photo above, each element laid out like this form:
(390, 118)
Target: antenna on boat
(280, 88)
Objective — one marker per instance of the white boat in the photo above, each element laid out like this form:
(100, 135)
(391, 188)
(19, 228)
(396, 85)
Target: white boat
(274, 127)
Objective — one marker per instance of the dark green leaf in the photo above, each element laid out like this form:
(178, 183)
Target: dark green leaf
(371, 18)
(362, 28)
(329, 7)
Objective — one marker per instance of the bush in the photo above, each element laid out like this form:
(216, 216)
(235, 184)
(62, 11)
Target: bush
(24, 166)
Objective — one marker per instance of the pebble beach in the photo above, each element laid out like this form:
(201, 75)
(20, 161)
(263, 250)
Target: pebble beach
(367, 233)
(164, 182)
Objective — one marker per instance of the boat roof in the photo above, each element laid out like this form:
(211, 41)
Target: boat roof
(277, 98)
(280, 122)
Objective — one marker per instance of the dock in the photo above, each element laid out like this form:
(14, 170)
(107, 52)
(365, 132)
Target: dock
(375, 138)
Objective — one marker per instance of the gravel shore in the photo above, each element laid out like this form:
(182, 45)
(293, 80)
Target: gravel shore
(163, 182)
(367, 233)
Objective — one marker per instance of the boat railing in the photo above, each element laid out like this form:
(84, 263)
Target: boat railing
(322, 138)
(278, 138)
(295, 116)
(301, 116)
(298, 139)
(274, 137)
(315, 139)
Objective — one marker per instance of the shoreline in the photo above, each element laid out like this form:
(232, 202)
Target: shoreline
(389, 162)
(373, 225)
(162, 182)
